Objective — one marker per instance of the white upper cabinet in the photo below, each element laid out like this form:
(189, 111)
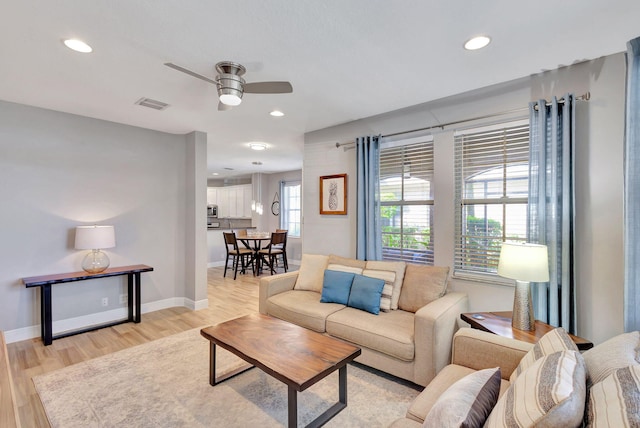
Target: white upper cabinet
(232, 201)
(212, 195)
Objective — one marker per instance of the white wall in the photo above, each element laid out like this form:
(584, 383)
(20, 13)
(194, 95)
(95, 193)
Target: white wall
(58, 171)
(598, 176)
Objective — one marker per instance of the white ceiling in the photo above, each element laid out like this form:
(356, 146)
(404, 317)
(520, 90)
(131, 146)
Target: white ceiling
(346, 59)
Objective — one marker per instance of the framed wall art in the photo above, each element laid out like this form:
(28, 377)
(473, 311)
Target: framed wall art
(333, 194)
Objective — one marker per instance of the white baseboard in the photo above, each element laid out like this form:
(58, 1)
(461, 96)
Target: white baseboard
(84, 321)
(215, 264)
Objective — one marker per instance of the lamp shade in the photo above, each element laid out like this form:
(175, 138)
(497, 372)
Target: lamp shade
(524, 262)
(95, 237)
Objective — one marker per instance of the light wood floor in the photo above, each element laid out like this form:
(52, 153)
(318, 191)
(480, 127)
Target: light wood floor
(227, 299)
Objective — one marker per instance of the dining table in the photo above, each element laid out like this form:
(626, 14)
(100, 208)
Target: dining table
(253, 240)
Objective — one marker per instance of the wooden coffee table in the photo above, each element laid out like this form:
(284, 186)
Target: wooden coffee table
(292, 354)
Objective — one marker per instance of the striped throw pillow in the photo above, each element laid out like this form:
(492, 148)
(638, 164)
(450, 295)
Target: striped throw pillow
(550, 393)
(466, 403)
(554, 341)
(389, 278)
(616, 353)
(615, 402)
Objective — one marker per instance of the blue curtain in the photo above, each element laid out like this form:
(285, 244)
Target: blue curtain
(369, 239)
(552, 207)
(632, 191)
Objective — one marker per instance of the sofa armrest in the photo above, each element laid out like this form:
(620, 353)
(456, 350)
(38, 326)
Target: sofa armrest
(435, 325)
(479, 350)
(275, 284)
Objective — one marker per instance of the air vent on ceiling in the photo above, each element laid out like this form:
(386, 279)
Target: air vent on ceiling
(148, 102)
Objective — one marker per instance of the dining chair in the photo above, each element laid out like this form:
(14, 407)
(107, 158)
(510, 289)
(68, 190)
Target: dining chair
(275, 248)
(241, 257)
(284, 247)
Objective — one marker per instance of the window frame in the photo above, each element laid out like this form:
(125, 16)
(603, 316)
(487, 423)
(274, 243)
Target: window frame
(515, 129)
(403, 204)
(285, 208)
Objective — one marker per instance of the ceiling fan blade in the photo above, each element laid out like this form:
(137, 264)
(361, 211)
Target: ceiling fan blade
(190, 73)
(224, 107)
(268, 88)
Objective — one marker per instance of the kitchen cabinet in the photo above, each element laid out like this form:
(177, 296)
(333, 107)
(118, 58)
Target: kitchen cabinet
(212, 196)
(232, 201)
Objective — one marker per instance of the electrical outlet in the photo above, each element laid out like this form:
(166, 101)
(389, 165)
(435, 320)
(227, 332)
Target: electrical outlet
(105, 301)
(124, 298)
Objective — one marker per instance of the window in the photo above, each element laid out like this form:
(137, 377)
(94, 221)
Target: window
(406, 200)
(491, 194)
(290, 212)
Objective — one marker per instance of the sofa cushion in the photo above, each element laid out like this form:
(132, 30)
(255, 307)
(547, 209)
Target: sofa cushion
(336, 287)
(468, 402)
(311, 272)
(550, 393)
(618, 352)
(365, 293)
(387, 291)
(390, 333)
(554, 341)
(422, 285)
(615, 401)
(344, 268)
(339, 260)
(398, 268)
(301, 307)
(450, 374)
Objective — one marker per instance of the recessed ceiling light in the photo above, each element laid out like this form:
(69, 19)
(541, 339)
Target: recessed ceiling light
(77, 45)
(257, 146)
(277, 113)
(214, 173)
(477, 42)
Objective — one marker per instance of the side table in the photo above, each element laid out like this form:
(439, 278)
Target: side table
(500, 323)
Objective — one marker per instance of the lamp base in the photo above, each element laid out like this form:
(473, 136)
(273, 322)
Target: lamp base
(95, 262)
(522, 317)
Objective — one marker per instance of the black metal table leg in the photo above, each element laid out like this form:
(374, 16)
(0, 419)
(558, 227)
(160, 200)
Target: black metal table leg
(293, 407)
(136, 286)
(130, 296)
(45, 314)
(212, 364)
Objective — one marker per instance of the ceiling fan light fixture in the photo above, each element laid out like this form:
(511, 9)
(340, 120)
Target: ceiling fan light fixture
(231, 99)
(230, 89)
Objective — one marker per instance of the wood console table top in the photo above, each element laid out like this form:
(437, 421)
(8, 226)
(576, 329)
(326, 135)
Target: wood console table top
(500, 323)
(35, 281)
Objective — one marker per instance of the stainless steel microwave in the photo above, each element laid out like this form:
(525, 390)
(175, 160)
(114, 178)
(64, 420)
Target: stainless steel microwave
(212, 211)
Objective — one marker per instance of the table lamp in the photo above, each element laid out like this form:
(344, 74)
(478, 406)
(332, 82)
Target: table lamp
(95, 238)
(525, 263)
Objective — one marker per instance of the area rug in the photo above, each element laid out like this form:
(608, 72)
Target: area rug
(165, 383)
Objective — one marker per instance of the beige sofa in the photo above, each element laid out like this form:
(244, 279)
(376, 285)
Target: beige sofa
(412, 341)
(600, 382)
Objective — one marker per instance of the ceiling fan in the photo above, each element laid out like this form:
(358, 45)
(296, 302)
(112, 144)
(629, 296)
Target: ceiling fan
(231, 86)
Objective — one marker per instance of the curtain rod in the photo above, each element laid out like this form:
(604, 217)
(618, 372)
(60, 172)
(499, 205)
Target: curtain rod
(584, 97)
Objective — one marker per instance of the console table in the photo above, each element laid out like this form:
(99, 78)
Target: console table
(46, 281)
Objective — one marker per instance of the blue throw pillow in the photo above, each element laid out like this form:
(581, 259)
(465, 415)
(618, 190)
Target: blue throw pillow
(336, 286)
(366, 293)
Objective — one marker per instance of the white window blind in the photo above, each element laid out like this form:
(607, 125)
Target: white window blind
(406, 199)
(491, 194)
(291, 207)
